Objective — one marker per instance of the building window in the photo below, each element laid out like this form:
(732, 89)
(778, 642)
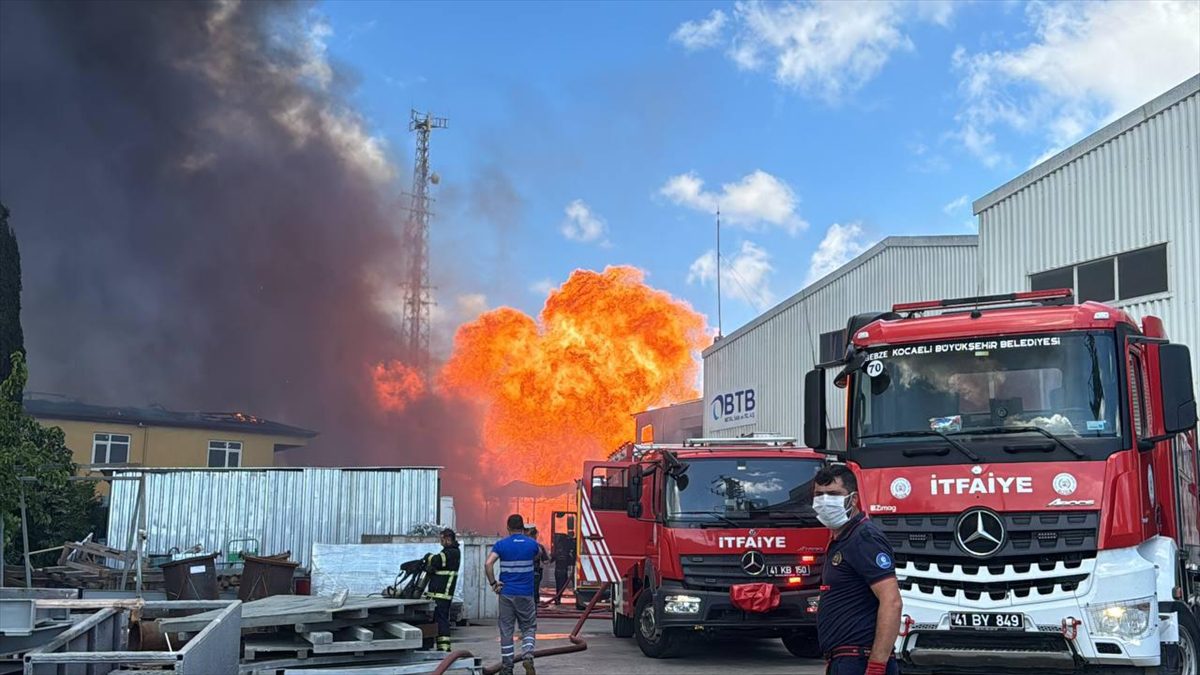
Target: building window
(833, 345)
(110, 449)
(224, 453)
(1047, 281)
(1126, 276)
(1096, 281)
(1143, 272)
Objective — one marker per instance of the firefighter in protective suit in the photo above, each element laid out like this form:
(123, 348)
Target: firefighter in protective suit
(442, 569)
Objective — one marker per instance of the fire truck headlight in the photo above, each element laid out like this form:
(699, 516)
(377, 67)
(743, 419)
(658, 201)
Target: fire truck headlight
(681, 604)
(1130, 620)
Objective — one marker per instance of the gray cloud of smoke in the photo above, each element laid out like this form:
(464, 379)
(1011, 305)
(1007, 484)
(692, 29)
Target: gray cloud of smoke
(204, 221)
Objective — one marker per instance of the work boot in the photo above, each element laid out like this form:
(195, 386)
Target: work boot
(529, 669)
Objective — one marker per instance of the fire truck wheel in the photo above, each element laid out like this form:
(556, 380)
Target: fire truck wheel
(1186, 659)
(623, 626)
(654, 642)
(802, 644)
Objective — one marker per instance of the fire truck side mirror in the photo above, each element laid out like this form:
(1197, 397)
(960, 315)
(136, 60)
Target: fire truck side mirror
(1178, 395)
(633, 503)
(814, 409)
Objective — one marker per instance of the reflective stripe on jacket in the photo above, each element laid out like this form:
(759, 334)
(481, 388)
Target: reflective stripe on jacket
(443, 572)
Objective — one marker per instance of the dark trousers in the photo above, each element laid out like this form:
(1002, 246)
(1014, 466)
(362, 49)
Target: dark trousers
(856, 665)
(441, 614)
(561, 575)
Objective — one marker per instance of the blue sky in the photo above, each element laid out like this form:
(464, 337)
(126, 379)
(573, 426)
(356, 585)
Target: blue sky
(590, 134)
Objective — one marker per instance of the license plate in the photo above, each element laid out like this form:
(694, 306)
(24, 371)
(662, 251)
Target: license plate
(787, 570)
(986, 621)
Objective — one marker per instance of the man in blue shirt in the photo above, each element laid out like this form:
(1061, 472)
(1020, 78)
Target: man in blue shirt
(859, 615)
(516, 554)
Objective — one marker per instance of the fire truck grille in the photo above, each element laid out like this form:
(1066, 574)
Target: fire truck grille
(1031, 539)
(719, 572)
(1044, 556)
(1000, 590)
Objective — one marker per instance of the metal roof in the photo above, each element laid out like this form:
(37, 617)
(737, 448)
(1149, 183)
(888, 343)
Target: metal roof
(1173, 96)
(67, 409)
(861, 259)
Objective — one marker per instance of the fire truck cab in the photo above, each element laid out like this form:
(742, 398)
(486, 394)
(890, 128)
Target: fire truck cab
(674, 527)
(1033, 464)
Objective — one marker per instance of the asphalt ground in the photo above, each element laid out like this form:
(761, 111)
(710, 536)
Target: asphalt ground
(607, 655)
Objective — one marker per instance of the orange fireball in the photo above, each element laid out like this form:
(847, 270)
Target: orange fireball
(562, 389)
(396, 385)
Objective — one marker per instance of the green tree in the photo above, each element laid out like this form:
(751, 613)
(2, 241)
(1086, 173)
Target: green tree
(11, 337)
(57, 509)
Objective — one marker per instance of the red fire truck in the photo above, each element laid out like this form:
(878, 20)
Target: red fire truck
(1033, 463)
(674, 527)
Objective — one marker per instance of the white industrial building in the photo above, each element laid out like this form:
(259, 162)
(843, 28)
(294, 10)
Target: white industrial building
(770, 355)
(1115, 217)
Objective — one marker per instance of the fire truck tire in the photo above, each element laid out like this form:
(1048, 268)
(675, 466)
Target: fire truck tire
(803, 644)
(1183, 658)
(654, 642)
(623, 626)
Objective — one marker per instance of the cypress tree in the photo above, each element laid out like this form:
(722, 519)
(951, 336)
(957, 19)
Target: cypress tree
(12, 339)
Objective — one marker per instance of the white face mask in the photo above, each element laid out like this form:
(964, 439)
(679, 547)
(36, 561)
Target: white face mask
(832, 510)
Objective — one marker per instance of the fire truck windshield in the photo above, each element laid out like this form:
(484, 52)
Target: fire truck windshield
(749, 492)
(1010, 399)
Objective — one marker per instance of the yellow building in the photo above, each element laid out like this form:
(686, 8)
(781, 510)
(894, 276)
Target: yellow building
(102, 436)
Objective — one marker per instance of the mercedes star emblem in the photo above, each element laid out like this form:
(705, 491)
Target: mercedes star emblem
(980, 533)
(753, 563)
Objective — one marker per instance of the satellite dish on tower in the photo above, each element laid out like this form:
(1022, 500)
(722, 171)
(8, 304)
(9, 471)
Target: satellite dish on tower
(434, 178)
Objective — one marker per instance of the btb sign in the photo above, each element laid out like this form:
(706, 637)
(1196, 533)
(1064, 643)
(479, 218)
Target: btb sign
(732, 409)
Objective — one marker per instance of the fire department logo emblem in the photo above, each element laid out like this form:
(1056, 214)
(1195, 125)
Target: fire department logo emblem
(837, 559)
(1065, 484)
(901, 488)
(980, 533)
(754, 563)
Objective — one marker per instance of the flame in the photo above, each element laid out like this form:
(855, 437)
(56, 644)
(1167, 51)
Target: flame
(396, 385)
(562, 389)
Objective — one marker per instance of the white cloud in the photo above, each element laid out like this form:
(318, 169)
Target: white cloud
(758, 198)
(542, 287)
(956, 205)
(745, 277)
(825, 48)
(702, 34)
(841, 243)
(1087, 64)
(582, 224)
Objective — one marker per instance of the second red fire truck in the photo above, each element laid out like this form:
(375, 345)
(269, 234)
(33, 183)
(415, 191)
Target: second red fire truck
(678, 529)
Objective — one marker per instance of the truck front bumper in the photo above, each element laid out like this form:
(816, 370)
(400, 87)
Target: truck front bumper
(1043, 644)
(796, 610)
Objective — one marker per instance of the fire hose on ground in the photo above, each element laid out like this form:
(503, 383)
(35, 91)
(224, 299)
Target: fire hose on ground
(578, 644)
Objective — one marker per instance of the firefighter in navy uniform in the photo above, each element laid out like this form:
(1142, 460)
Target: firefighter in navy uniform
(443, 578)
(858, 618)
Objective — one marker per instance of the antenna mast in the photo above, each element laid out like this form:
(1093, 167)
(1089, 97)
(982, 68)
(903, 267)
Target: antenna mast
(417, 291)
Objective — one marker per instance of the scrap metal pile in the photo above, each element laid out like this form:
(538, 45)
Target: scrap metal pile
(44, 631)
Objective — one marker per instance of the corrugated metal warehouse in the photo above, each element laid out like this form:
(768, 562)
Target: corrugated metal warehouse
(770, 355)
(283, 509)
(1115, 217)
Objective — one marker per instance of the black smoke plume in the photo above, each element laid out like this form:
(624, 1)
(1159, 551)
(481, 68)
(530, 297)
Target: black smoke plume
(205, 223)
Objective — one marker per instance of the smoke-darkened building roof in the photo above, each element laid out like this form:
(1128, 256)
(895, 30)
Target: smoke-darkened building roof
(67, 409)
